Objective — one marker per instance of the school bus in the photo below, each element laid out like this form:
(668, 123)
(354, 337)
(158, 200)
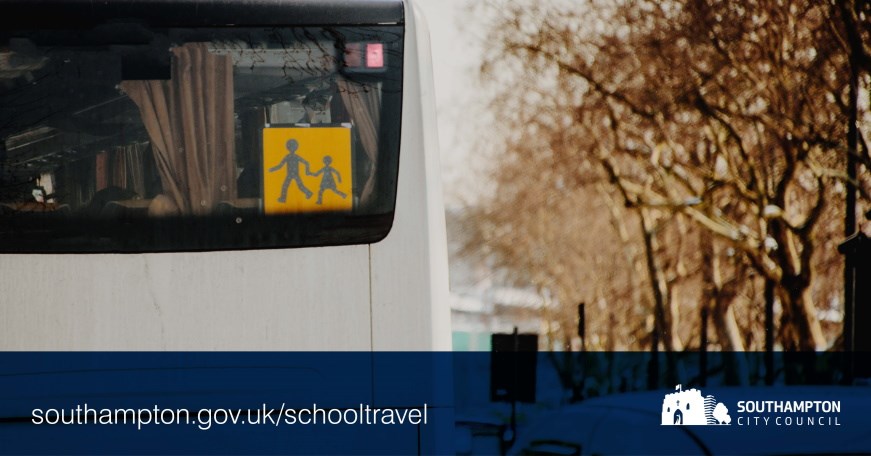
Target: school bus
(208, 175)
(213, 175)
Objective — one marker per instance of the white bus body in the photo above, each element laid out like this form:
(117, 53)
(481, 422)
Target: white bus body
(388, 295)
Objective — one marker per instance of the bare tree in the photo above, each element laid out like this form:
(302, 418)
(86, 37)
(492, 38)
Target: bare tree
(732, 116)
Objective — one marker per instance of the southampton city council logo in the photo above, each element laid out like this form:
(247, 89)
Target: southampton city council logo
(690, 408)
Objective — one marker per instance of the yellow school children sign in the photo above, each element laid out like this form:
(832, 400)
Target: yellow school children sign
(306, 170)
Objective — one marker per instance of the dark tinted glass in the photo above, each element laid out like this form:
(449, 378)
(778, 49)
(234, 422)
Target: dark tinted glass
(124, 137)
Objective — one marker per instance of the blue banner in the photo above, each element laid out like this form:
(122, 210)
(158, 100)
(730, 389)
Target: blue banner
(431, 403)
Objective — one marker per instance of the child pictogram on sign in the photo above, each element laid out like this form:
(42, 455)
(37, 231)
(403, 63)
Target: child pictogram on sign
(327, 181)
(292, 162)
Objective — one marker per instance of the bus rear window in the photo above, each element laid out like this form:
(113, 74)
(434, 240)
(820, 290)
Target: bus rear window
(124, 138)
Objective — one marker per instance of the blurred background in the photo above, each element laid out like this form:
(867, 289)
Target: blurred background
(693, 172)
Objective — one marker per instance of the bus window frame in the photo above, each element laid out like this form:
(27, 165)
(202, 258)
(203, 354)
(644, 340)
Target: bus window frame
(78, 235)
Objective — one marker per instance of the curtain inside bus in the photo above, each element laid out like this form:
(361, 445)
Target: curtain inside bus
(190, 122)
(364, 104)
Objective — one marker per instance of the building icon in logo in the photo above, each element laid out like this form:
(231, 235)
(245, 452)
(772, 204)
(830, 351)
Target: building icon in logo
(690, 408)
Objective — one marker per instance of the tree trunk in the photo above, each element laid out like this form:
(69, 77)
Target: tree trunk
(659, 288)
(800, 327)
(720, 298)
(663, 326)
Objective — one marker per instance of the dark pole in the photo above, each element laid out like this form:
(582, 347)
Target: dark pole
(850, 209)
(703, 349)
(653, 367)
(852, 137)
(769, 332)
(515, 354)
(582, 333)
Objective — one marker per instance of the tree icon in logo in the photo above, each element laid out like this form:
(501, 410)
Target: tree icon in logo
(721, 414)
